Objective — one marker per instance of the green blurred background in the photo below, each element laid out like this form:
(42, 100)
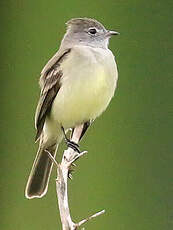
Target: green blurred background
(128, 170)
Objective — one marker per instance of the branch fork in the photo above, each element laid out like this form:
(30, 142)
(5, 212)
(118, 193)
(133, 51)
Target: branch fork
(68, 159)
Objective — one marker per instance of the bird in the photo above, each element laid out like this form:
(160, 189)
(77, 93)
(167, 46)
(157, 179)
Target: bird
(77, 85)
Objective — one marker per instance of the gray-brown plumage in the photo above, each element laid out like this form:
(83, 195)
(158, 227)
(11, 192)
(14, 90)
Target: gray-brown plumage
(77, 85)
(50, 84)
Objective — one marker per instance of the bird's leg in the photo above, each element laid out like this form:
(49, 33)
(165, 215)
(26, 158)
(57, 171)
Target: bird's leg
(70, 144)
(76, 135)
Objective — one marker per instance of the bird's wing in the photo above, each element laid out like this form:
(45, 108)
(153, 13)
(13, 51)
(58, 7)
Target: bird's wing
(50, 85)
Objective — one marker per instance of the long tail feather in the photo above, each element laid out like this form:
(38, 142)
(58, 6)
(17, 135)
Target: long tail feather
(38, 180)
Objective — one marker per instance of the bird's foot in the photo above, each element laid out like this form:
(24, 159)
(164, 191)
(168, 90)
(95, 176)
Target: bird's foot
(73, 165)
(70, 144)
(73, 145)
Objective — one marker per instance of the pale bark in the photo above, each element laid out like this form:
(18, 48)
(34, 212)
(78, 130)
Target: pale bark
(68, 159)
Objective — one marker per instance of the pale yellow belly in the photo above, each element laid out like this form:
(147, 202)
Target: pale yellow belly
(83, 98)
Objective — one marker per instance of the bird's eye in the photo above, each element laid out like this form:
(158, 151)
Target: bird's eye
(92, 31)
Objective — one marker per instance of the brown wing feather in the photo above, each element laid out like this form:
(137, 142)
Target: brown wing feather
(50, 83)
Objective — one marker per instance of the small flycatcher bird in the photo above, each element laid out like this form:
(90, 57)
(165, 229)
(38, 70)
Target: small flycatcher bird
(77, 85)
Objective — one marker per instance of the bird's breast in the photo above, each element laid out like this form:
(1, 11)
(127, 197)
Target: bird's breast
(87, 86)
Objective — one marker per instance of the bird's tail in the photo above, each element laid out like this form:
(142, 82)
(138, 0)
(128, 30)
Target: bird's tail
(38, 180)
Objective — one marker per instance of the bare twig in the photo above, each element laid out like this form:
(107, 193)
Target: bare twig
(51, 157)
(68, 159)
(90, 217)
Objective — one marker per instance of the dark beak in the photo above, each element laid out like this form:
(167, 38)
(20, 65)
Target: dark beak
(111, 32)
